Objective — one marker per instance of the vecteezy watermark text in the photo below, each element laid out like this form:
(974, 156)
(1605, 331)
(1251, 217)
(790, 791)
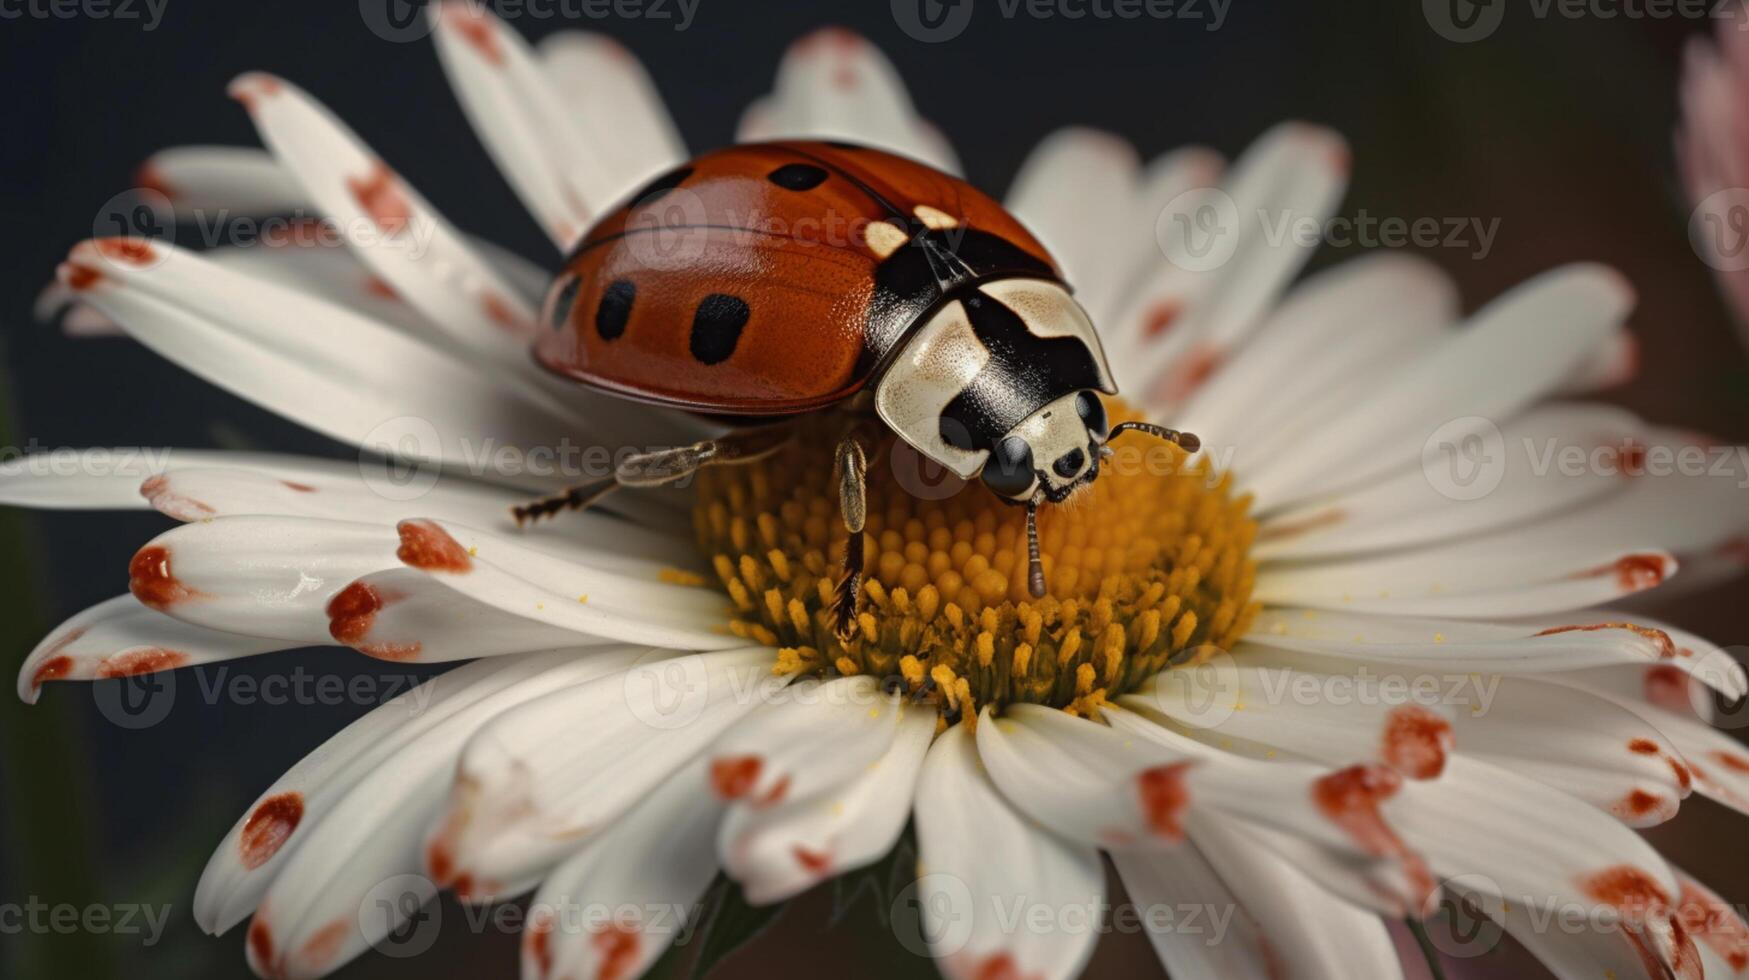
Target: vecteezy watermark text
(150, 13)
(933, 21)
(34, 916)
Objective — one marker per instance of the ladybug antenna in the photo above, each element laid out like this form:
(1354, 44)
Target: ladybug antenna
(1185, 440)
(1035, 568)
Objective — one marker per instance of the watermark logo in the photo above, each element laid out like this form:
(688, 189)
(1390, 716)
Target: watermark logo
(1198, 231)
(668, 694)
(137, 702)
(1464, 21)
(401, 916)
(1719, 230)
(400, 21)
(1465, 459)
(1468, 921)
(932, 916)
(400, 461)
(934, 21)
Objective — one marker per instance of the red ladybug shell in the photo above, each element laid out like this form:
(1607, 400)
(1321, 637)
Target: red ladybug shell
(754, 281)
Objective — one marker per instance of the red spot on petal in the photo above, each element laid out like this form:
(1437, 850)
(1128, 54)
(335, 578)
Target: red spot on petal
(1666, 646)
(128, 251)
(1667, 687)
(1732, 761)
(476, 29)
(617, 945)
(1643, 746)
(379, 193)
(1635, 573)
(269, 826)
(378, 287)
(1630, 458)
(163, 497)
(78, 277)
(1416, 741)
(537, 941)
(426, 545)
(1001, 966)
(261, 943)
(1648, 920)
(147, 661)
(1351, 798)
(299, 487)
(1735, 549)
(250, 89)
(150, 178)
(1164, 797)
(321, 949)
(844, 77)
(1707, 917)
(151, 580)
(733, 777)
(1640, 803)
(353, 611)
(52, 669)
(1161, 316)
(816, 863)
(440, 862)
(502, 314)
(1684, 778)
(774, 795)
(1186, 376)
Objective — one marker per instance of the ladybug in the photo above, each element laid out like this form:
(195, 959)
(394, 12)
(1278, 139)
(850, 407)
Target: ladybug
(764, 281)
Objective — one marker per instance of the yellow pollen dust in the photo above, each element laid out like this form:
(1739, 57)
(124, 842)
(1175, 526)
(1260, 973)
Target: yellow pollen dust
(1145, 568)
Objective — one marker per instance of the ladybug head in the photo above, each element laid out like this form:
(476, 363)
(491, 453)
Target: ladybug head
(1052, 453)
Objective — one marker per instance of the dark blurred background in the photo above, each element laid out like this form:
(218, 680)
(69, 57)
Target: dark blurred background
(1557, 127)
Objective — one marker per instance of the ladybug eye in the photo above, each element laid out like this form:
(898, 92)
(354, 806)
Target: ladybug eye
(1009, 470)
(563, 300)
(1092, 412)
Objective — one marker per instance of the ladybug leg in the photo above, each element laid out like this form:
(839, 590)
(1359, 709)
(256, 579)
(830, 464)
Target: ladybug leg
(852, 469)
(659, 468)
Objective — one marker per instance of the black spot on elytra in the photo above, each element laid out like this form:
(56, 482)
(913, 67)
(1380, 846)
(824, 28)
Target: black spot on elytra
(615, 308)
(660, 186)
(797, 176)
(563, 302)
(716, 327)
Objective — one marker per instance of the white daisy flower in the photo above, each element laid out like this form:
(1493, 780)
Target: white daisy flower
(1225, 689)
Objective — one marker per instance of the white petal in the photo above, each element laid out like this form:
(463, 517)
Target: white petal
(1075, 191)
(1336, 719)
(1577, 743)
(1135, 251)
(389, 225)
(816, 738)
(120, 638)
(1294, 173)
(562, 177)
(1512, 836)
(614, 908)
(326, 905)
(1515, 351)
(1218, 940)
(780, 852)
(634, 607)
(1359, 319)
(110, 478)
(279, 821)
(979, 863)
(368, 492)
(263, 576)
(1409, 508)
(1296, 922)
(1545, 645)
(1718, 762)
(615, 102)
(316, 363)
(533, 784)
(1499, 578)
(833, 84)
(402, 615)
(1717, 925)
(235, 179)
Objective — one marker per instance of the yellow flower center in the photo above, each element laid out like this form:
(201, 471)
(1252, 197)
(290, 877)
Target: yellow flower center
(1145, 567)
